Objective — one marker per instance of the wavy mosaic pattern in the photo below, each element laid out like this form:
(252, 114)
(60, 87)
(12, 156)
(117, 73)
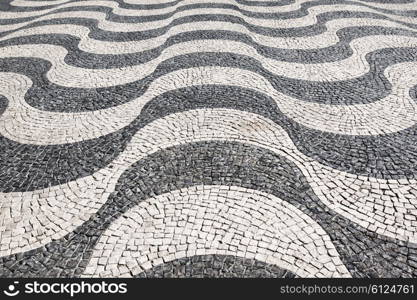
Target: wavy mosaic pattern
(208, 138)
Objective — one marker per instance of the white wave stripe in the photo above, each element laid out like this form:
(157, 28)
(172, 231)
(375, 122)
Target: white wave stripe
(91, 45)
(67, 75)
(53, 215)
(23, 123)
(206, 220)
(109, 25)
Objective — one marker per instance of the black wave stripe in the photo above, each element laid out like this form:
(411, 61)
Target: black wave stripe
(364, 253)
(266, 3)
(86, 9)
(216, 266)
(5, 6)
(27, 167)
(100, 34)
(395, 11)
(384, 156)
(97, 33)
(302, 11)
(389, 1)
(413, 92)
(123, 4)
(46, 95)
(3, 104)
(80, 58)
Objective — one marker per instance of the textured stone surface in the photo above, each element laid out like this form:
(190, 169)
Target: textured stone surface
(224, 138)
(215, 266)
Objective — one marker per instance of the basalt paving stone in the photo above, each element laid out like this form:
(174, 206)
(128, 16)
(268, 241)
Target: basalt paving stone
(215, 266)
(3, 104)
(271, 159)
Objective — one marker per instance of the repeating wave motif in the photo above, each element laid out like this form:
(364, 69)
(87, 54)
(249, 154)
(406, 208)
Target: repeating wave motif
(355, 208)
(309, 18)
(141, 136)
(267, 218)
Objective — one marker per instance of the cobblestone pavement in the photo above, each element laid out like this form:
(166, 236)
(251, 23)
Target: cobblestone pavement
(208, 138)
